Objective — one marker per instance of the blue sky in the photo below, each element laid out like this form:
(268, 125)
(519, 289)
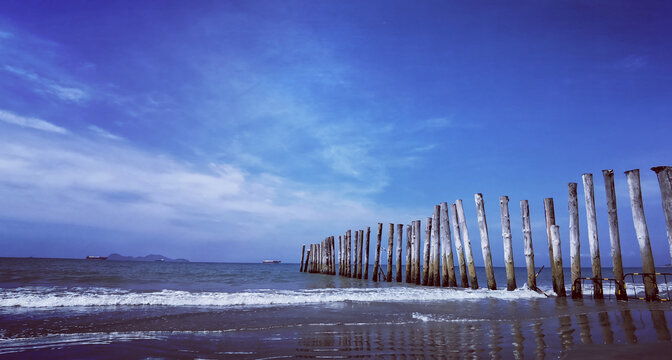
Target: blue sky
(239, 130)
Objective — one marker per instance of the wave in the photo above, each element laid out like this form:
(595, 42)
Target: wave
(37, 297)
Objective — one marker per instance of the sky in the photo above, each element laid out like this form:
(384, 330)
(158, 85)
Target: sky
(236, 131)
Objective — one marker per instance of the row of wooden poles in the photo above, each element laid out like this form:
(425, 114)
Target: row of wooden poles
(438, 267)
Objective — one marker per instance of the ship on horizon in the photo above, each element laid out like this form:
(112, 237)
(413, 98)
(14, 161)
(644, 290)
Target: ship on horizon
(92, 257)
(271, 261)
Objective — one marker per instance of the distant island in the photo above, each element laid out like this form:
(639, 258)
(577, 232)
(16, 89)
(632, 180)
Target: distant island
(152, 257)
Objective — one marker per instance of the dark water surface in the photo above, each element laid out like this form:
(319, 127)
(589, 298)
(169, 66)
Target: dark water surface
(78, 309)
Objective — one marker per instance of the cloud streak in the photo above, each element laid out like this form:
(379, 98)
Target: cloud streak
(49, 86)
(32, 123)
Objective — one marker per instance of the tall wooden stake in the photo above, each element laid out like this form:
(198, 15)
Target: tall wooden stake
(464, 282)
(589, 192)
(361, 254)
(665, 182)
(340, 256)
(425, 263)
(527, 243)
(355, 268)
(303, 252)
(506, 239)
(447, 263)
(642, 230)
(409, 231)
(559, 276)
(435, 278)
(485, 241)
(473, 281)
(549, 213)
(574, 245)
(348, 254)
(614, 234)
(366, 259)
(376, 255)
(390, 254)
(400, 230)
(418, 242)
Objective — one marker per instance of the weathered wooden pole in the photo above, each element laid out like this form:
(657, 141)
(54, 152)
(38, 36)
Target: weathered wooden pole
(390, 252)
(447, 264)
(589, 193)
(665, 182)
(348, 253)
(614, 234)
(340, 256)
(366, 259)
(305, 266)
(356, 254)
(418, 242)
(414, 241)
(527, 243)
(303, 252)
(333, 255)
(574, 245)
(400, 230)
(559, 276)
(642, 231)
(473, 281)
(409, 230)
(485, 241)
(508, 246)
(549, 214)
(376, 256)
(425, 262)
(361, 254)
(464, 282)
(435, 278)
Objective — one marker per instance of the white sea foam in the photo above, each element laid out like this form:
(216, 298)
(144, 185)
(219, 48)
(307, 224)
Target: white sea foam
(35, 297)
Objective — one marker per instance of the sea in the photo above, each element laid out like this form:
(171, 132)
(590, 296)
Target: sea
(100, 309)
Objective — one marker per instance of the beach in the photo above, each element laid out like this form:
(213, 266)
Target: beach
(79, 309)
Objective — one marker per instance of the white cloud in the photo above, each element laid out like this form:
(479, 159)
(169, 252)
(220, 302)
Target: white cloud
(32, 123)
(52, 87)
(104, 133)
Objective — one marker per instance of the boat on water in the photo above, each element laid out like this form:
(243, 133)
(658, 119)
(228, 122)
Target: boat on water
(271, 261)
(91, 257)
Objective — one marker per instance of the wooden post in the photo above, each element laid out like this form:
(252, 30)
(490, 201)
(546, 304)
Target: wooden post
(642, 231)
(390, 254)
(435, 262)
(361, 254)
(414, 241)
(473, 281)
(355, 267)
(558, 277)
(376, 256)
(425, 262)
(366, 259)
(589, 192)
(305, 266)
(614, 235)
(418, 242)
(409, 231)
(333, 255)
(303, 252)
(447, 264)
(527, 242)
(485, 241)
(340, 256)
(464, 282)
(574, 245)
(665, 182)
(549, 213)
(506, 239)
(400, 230)
(348, 253)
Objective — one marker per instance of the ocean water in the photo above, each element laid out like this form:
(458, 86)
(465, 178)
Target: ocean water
(89, 309)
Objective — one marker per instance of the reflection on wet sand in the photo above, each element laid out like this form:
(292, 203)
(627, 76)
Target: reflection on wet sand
(483, 338)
